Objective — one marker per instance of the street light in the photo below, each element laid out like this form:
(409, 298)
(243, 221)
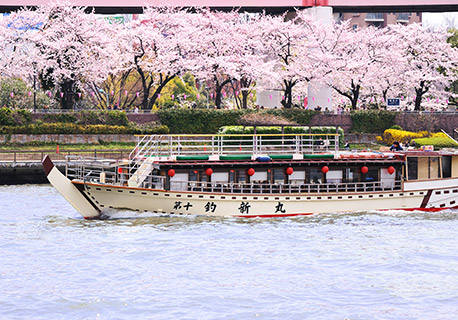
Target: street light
(108, 101)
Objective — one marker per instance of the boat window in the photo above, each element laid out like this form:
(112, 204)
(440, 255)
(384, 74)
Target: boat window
(193, 176)
(279, 175)
(412, 164)
(259, 176)
(387, 180)
(315, 175)
(219, 177)
(297, 178)
(434, 172)
(241, 175)
(179, 182)
(372, 174)
(447, 166)
(334, 176)
(232, 175)
(428, 168)
(351, 174)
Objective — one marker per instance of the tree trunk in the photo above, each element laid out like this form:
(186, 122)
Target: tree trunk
(219, 88)
(245, 99)
(158, 90)
(355, 95)
(418, 99)
(66, 102)
(420, 92)
(288, 91)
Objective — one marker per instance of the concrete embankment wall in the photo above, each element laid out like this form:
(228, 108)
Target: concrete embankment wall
(13, 173)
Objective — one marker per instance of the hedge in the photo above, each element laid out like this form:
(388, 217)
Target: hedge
(210, 120)
(372, 121)
(111, 118)
(437, 142)
(287, 130)
(9, 117)
(70, 128)
(198, 120)
(391, 135)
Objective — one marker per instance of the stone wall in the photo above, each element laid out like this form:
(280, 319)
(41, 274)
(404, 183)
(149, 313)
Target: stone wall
(434, 122)
(338, 120)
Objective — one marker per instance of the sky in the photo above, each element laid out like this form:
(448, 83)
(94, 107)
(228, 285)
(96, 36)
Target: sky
(440, 19)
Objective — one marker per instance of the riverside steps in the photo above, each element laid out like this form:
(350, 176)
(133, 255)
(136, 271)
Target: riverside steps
(24, 166)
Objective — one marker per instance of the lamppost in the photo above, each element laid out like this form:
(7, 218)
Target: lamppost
(108, 100)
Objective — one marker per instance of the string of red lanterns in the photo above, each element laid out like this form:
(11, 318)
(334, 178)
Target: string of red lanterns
(289, 171)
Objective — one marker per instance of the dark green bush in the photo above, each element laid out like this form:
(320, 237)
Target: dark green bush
(300, 116)
(61, 117)
(372, 121)
(70, 128)
(198, 120)
(287, 130)
(14, 117)
(210, 120)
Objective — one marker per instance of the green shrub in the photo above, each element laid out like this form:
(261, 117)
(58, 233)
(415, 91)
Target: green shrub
(71, 128)
(300, 116)
(198, 120)
(116, 118)
(396, 127)
(61, 117)
(438, 143)
(210, 120)
(372, 121)
(14, 117)
(287, 130)
(5, 117)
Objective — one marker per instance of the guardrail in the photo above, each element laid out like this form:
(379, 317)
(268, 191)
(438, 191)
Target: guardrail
(353, 187)
(185, 145)
(38, 155)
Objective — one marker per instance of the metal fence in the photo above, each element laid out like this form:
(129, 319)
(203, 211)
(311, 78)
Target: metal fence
(38, 155)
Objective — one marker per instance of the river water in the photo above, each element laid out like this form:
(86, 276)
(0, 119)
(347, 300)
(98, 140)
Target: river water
(55, 265)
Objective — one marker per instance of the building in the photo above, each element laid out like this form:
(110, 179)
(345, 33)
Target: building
(361, 20)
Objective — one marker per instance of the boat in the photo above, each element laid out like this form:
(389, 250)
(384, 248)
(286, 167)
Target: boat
(259, 175)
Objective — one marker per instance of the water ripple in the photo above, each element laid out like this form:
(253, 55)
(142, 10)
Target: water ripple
(366, 265)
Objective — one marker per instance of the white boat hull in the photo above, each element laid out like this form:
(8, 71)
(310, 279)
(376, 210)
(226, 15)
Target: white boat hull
(271, 205)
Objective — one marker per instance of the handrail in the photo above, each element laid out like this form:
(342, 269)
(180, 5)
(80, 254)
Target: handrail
(268, 188)
(244, 135)
(206, 144)
(38, 155)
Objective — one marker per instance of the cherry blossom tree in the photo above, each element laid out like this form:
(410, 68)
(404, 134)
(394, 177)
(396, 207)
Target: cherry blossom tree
(430, 61)
(66, 45)
(217, 48)
(293, 45)
(359, 59)
(157, 47)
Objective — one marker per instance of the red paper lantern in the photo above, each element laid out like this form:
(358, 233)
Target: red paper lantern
(289, 171)
(209, 171)
(325, 169)
(250, 172)
(119, 170)
(390, 170)
(171, 172)
(364, 169)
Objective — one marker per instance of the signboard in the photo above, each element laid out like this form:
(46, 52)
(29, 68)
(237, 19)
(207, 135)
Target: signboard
(394, 102)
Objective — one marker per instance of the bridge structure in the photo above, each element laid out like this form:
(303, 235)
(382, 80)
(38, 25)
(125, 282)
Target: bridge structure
(272, 6)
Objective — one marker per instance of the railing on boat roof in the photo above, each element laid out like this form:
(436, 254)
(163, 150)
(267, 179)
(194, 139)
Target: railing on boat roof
(253, 144)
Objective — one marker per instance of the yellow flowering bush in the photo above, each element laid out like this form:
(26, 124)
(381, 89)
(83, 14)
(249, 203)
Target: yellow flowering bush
(391, 135)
